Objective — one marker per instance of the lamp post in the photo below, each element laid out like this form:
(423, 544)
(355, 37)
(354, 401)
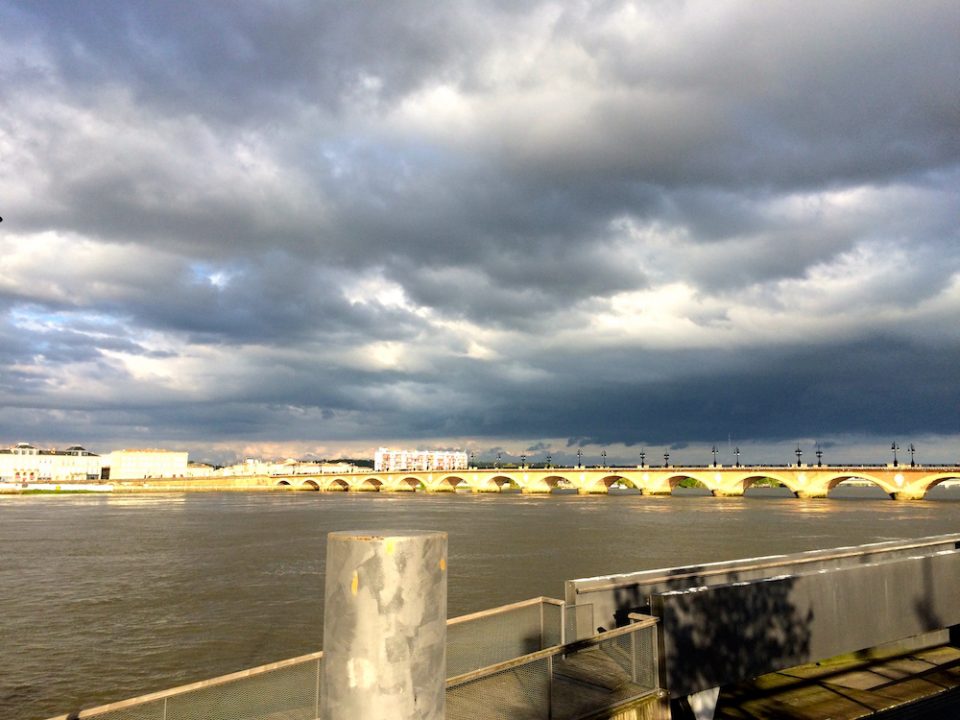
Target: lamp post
(603, 458)
(643, 457)
(579, 456)
(549, 458)
(737, 453)
(799, 453)
(498, 461)
(819, 456)
(666, 459)
(912, 450)
(523, 460)
(472, 462)
(714, 450)
(894, 447)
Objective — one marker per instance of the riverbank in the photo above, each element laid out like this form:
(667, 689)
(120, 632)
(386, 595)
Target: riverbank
(53, 488)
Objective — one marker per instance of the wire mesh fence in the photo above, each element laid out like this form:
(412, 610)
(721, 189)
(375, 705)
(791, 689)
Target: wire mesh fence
(494, 636)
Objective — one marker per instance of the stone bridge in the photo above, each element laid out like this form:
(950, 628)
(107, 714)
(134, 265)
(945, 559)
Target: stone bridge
(901, 483)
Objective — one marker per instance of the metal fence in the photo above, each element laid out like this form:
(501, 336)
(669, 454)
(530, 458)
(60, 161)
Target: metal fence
(517, 661)
(565, 682)
(285, 690)
(494, 636)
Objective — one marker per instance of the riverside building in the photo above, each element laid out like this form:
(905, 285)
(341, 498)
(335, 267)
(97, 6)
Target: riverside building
(388, 460)
(139, 464)
(25, 463)
(251, 467)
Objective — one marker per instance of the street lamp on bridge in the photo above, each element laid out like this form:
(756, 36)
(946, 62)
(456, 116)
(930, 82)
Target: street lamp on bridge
(579, 456)
(799, 453)
(666, 459)
(714, 455)
(819, 455)
(643, 457)
(737, 453)
(523, 460)
(498, 461)
(603, 458)
(912, 450)
(549, 458)
(472, 461)
(894, 447)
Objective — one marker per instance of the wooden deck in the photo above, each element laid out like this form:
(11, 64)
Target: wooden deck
(849, 687)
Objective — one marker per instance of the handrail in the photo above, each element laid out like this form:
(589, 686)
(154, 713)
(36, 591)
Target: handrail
(181, 689)
(259, 669)
(780, 561)
(648, 621)
(502, 609)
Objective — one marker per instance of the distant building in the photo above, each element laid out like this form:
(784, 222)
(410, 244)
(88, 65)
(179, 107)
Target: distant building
(139, 464)
(256, 466)
(196, 470)
(389, 460)
(26, 463)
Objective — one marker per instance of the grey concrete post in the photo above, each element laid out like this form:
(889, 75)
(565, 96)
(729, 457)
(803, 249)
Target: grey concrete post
(384, 626)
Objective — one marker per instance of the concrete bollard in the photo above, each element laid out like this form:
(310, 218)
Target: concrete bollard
(385, 626)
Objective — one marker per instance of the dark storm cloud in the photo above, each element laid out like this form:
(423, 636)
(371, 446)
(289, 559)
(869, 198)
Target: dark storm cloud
(595, 221)
(259, 58)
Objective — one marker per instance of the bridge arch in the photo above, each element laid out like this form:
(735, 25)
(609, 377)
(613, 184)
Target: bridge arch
(834, 481)
(682, 479)
(283, 483)
(310, 484)
(931, 481)
(555, 481)
(412, 483)
(370, 484)
(336, 485)
(502, 481)
(452, 482)
(610, 480)
(759, 480)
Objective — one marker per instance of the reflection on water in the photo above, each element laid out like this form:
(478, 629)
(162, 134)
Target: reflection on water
(132, 500)
(108, 597)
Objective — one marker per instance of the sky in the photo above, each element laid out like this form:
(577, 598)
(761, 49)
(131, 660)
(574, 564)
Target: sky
(314, 228)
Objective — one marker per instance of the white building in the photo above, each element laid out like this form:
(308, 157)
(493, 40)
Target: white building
(389, 460)
(26, 463)
(138, 464)
(258, 467)
(196, 470)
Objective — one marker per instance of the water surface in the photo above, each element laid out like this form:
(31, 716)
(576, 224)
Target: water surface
(106, 597)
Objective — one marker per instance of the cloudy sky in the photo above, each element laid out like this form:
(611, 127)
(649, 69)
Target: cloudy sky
(284, 228)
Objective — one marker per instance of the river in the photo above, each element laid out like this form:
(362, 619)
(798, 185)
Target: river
(106, 597)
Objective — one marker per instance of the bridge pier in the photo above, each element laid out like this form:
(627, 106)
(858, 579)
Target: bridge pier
(908, 494)
(535, 489)
(728, 492)
(598, 489)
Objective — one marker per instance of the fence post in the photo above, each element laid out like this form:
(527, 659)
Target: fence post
(384, 626)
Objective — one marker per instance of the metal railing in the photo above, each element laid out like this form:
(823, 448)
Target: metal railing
(284, 690)
(566, 682)
(527, 645)
(503, 633)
